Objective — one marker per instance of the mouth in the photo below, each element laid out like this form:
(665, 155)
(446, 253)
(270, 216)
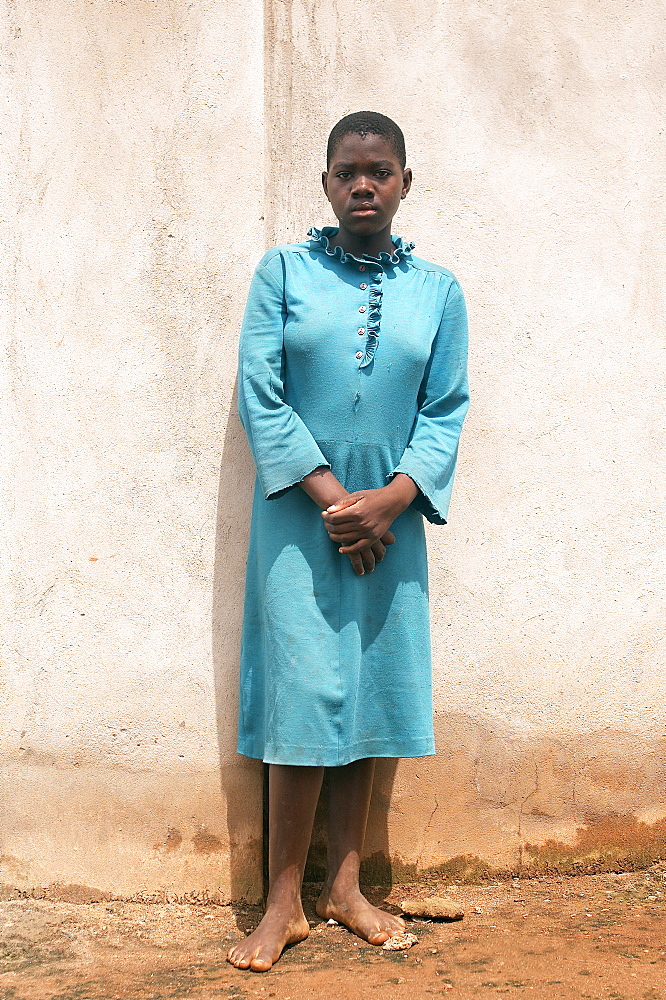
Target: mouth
(363, 210)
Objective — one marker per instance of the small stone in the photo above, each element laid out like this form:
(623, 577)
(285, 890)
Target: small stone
(434, 907)
(332, 923)
(400, 942)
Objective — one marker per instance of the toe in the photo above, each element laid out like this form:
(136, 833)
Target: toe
(259, 964)
(378, 937)
(238, 961)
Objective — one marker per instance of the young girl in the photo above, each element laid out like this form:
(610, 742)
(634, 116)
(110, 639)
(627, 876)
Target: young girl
(352, 392)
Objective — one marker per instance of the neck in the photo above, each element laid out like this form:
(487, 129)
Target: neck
(364, 246)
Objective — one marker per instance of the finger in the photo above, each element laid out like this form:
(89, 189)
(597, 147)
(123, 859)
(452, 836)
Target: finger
(379, 551)
(368, 558)
(362, 543)
(350, 515)
(342, 517)
(388, 538)
(344, 539)
(357, 563)
(341, 504)
(342, 529)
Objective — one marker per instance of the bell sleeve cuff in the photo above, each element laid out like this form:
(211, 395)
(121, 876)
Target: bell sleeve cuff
(430, 457)
(283, 448)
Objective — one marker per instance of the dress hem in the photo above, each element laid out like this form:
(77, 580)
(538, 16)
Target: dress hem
(316, 757)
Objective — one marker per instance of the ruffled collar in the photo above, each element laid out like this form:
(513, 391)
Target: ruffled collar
(323, 236)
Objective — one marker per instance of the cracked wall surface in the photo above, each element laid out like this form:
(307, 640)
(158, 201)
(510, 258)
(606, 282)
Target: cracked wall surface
(151, 152)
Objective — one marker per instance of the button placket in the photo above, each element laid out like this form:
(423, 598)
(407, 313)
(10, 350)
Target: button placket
(362, 309)
(374, 310)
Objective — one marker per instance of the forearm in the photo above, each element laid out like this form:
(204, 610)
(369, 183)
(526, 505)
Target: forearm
(402, 490)
(323, 487)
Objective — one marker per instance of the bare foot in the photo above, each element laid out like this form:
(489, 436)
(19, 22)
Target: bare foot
(362, 918)
(261, 950)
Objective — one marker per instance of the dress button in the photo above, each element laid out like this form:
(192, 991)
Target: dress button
(359, 355)
(361, 331)
(362, 267)
(363, 286)
(362, 309)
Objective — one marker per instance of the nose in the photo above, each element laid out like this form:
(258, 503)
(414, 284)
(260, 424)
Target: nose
(362, 186)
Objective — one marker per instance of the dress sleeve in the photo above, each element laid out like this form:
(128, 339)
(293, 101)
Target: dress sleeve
(430, 457)
(283, 449)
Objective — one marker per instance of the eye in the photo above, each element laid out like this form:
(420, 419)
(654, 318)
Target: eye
(383, 173)
(343, 174)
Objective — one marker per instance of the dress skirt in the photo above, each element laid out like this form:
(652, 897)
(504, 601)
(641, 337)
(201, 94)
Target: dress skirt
(336, 666)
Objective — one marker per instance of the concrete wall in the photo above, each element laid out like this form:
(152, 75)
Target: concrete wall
(152, 151)
(134, 205)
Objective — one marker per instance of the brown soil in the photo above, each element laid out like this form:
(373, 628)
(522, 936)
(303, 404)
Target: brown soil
(594, 936)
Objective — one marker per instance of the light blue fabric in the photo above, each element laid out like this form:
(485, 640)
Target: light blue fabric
(358, 363)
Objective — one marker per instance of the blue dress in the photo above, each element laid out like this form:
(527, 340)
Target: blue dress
(357, 363)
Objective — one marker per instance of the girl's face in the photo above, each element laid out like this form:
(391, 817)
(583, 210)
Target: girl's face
(365, 184)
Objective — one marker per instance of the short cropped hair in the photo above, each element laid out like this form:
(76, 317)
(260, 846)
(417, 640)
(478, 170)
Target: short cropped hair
(363, 123)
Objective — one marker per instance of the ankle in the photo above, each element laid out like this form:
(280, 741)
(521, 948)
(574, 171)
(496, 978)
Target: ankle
(284, 899)
(341, 888)
(342, 875)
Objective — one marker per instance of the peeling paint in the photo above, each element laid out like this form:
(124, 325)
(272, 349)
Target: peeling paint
(172, 841)
(72, 893)
(206, 843)
(605, 843)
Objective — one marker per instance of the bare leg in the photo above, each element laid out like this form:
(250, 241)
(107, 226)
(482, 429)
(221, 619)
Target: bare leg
(341, 897)
(292, 799)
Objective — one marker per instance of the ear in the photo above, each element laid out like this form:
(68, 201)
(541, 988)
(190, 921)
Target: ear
(324, 182)
(406, 182)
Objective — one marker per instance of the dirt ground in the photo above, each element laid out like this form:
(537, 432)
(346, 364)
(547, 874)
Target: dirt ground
(596, 936)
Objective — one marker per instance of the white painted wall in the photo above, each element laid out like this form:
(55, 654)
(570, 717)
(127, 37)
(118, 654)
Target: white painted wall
(134, 218)
(152, 151)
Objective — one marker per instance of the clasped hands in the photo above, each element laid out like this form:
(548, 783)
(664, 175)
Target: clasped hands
(359, 523)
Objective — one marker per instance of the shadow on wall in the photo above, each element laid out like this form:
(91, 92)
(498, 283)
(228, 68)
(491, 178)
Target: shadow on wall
(242, 779)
